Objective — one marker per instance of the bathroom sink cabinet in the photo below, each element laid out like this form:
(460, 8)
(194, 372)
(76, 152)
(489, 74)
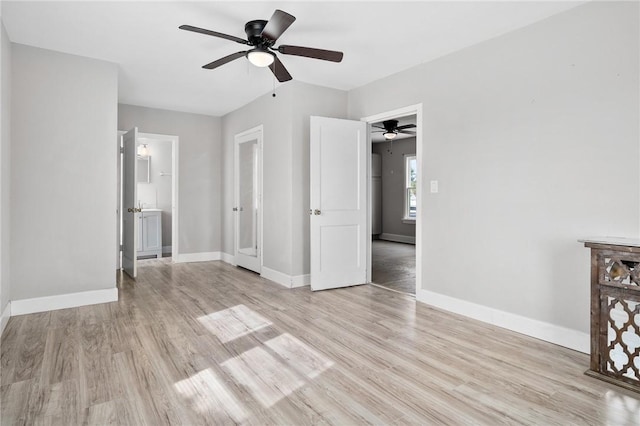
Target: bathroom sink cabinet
(150, 233)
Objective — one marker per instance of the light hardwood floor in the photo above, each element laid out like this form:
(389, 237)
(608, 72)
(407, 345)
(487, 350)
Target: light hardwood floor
(393, 265)
(207, 343)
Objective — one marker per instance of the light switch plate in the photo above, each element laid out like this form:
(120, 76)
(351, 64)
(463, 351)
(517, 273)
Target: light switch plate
(434, 186)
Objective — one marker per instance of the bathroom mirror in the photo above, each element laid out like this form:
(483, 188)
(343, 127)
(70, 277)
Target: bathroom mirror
(143, 169)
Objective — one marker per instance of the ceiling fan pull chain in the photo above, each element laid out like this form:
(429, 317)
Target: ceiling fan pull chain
(274, 82)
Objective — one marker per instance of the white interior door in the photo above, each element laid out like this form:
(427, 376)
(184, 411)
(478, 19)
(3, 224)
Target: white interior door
(338, 203)
(248, 163)
(130, 211)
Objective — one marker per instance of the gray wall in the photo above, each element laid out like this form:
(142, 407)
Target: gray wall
(157, 193)
(5, 167)
(533, 137)
(199, 164)
(393, 185)
(63, 173)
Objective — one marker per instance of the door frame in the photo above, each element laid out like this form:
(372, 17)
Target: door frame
(259, 129)
(174, 192)
(389, 115)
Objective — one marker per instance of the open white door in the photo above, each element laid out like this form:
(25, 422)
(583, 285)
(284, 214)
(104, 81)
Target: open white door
(130, 211)
(248, 163)
(338, 203)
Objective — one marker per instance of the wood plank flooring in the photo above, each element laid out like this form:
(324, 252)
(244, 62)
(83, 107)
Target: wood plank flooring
(207, 343)
(393, 265)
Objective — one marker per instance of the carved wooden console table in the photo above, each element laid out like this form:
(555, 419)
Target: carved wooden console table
(615, 311)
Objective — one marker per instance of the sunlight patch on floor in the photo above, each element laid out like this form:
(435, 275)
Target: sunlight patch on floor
(209, 395)
(622, 409)
(233, 322)
(299, 355)
(268, 379)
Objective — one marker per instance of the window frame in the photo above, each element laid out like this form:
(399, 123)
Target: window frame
(407, 218)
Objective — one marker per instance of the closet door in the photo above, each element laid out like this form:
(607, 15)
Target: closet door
(248, 202)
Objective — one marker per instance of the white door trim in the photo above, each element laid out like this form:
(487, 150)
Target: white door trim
(408, 110)
(260, 131)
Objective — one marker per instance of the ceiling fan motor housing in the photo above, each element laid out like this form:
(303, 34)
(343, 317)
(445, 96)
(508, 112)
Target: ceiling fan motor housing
(390, 125)
(254, 33)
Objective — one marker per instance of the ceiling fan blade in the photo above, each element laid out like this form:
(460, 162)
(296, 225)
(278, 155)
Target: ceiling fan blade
(213, 33)
(406, 126)
(222, 61)
(377, 127)
(278, 69)
(277, 24)
(406, 132)
(310, 52)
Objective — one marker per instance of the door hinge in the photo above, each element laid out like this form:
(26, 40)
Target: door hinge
(121, 247)
(121, 150)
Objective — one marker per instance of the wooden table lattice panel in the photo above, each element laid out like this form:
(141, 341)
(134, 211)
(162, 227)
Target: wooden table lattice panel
(620, 324)
(615, 314)
(620, 269)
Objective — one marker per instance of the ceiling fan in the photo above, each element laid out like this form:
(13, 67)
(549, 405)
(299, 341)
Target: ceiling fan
(262, 35)
(391, 129)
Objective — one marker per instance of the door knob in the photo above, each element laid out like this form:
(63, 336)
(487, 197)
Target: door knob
(317, 212)
(134, 210)
(235, 209)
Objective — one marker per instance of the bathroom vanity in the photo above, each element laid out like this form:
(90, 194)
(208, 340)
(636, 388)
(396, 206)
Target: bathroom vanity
(150, 233)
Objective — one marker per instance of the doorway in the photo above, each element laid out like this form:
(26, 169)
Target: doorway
(395, 149)
(248, 199)
(155, 205)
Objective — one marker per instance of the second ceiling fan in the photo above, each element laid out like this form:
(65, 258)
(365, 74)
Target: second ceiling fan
(262, 35)
(390, 129)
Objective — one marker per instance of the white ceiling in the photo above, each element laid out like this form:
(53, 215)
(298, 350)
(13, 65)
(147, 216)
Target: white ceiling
(160, 66)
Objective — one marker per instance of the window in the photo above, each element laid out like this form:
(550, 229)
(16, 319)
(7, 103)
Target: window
(411, 179)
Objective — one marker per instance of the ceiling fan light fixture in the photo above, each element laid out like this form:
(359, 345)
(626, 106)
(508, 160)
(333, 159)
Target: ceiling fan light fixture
(260, 57)
(389, 135)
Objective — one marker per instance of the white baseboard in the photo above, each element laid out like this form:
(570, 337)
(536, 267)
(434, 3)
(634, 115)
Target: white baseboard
(300, 280)
(6, 314)
(166, 249)
(276, 276)
(285, 280)
(397, 238)
(63, 301)
(197, 257)
(229, 258)
(558, 335)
